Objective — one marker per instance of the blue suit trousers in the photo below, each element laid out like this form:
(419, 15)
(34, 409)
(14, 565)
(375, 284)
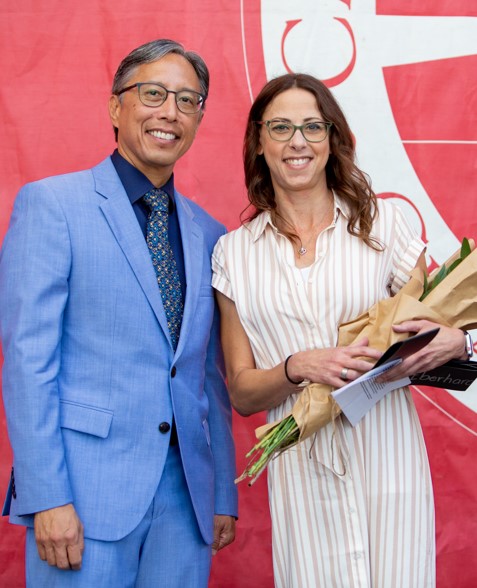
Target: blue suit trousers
(166, 548)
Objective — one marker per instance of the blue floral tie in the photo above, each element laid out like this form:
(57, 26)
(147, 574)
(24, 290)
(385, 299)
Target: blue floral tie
(163, 260)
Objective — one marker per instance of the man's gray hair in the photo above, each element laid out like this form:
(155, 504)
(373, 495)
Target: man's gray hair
(153, 51)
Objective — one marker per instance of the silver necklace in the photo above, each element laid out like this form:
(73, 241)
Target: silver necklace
(303, 249)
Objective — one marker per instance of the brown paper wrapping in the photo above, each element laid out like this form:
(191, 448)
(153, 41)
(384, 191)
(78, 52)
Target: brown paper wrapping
(455, 298)
(453, 302)
(314, 408)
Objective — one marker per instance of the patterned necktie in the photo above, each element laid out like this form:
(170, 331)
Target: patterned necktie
(163, 260)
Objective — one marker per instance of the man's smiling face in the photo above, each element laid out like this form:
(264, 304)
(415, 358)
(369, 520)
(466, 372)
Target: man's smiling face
(153, 139)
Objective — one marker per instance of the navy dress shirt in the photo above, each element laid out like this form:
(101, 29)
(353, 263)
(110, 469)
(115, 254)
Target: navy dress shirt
(136, 185)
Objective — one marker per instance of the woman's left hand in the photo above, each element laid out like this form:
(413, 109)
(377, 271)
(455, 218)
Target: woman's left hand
(449, 343)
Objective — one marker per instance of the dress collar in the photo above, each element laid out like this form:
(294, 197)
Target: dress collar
(258, 225)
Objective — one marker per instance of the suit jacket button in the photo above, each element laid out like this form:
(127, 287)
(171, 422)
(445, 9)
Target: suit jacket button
(164, 427)
(173, 371)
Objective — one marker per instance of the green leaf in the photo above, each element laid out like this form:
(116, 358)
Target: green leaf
(444, 271)
(441, 274)
(465, 249)
(454, 265)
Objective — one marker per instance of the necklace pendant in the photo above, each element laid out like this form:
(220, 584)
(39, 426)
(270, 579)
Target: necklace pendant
(302, 251)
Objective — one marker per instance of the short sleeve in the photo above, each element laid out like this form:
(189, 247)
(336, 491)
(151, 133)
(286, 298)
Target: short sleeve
(220, 274)
(407, 247)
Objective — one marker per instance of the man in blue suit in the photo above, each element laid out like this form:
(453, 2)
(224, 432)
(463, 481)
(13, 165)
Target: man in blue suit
(120, 426)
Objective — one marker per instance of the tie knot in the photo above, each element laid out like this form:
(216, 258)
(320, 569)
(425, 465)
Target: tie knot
(157, 200)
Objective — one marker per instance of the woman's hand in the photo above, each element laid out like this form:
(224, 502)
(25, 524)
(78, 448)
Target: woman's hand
(334, 366)
(253, 390)
(448, 344)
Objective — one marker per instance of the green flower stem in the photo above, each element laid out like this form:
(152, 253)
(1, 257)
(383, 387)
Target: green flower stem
(286, 433)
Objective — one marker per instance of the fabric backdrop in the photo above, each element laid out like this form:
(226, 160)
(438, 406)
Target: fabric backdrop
(405, 74)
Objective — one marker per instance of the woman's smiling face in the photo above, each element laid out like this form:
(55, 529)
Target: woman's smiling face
(295, 165)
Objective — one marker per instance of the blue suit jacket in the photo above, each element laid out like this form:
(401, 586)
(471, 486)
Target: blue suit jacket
(89, 370)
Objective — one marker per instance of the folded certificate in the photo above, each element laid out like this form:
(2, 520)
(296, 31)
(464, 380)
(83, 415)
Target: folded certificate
(360, 395)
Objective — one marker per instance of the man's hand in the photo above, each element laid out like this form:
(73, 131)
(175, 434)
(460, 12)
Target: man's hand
(224, 532)
(59, 537)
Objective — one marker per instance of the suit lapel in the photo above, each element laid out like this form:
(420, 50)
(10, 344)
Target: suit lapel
(193, 247)
(123, 223)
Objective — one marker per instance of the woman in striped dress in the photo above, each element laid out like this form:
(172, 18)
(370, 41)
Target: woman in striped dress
(351, 507)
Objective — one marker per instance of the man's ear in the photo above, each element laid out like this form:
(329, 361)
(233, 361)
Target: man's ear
(114, 109)
(199, 120)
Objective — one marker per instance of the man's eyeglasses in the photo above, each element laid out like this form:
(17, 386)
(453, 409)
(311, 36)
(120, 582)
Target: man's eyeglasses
(314, 131)
(153, 95)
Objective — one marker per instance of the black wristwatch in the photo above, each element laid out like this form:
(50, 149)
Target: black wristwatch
(469, 345)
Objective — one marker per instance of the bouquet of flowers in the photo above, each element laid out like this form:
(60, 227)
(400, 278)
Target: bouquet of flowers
(447, 296)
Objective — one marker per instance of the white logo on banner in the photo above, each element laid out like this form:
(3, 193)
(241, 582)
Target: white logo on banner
(347, 45)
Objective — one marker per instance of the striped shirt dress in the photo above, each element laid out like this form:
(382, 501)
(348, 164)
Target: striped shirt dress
(351, 507)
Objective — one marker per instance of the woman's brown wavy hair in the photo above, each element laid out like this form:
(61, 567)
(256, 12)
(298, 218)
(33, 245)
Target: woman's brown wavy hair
(342, 174)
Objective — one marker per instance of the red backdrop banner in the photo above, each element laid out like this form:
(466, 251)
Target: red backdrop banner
(404, 74)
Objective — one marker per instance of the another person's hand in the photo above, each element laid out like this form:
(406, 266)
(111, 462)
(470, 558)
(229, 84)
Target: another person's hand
(449, 343)
(59, 537)
(224, 532)
(334, 366)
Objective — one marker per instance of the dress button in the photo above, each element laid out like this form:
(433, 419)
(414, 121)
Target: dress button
(164, 427)
(173, 371)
